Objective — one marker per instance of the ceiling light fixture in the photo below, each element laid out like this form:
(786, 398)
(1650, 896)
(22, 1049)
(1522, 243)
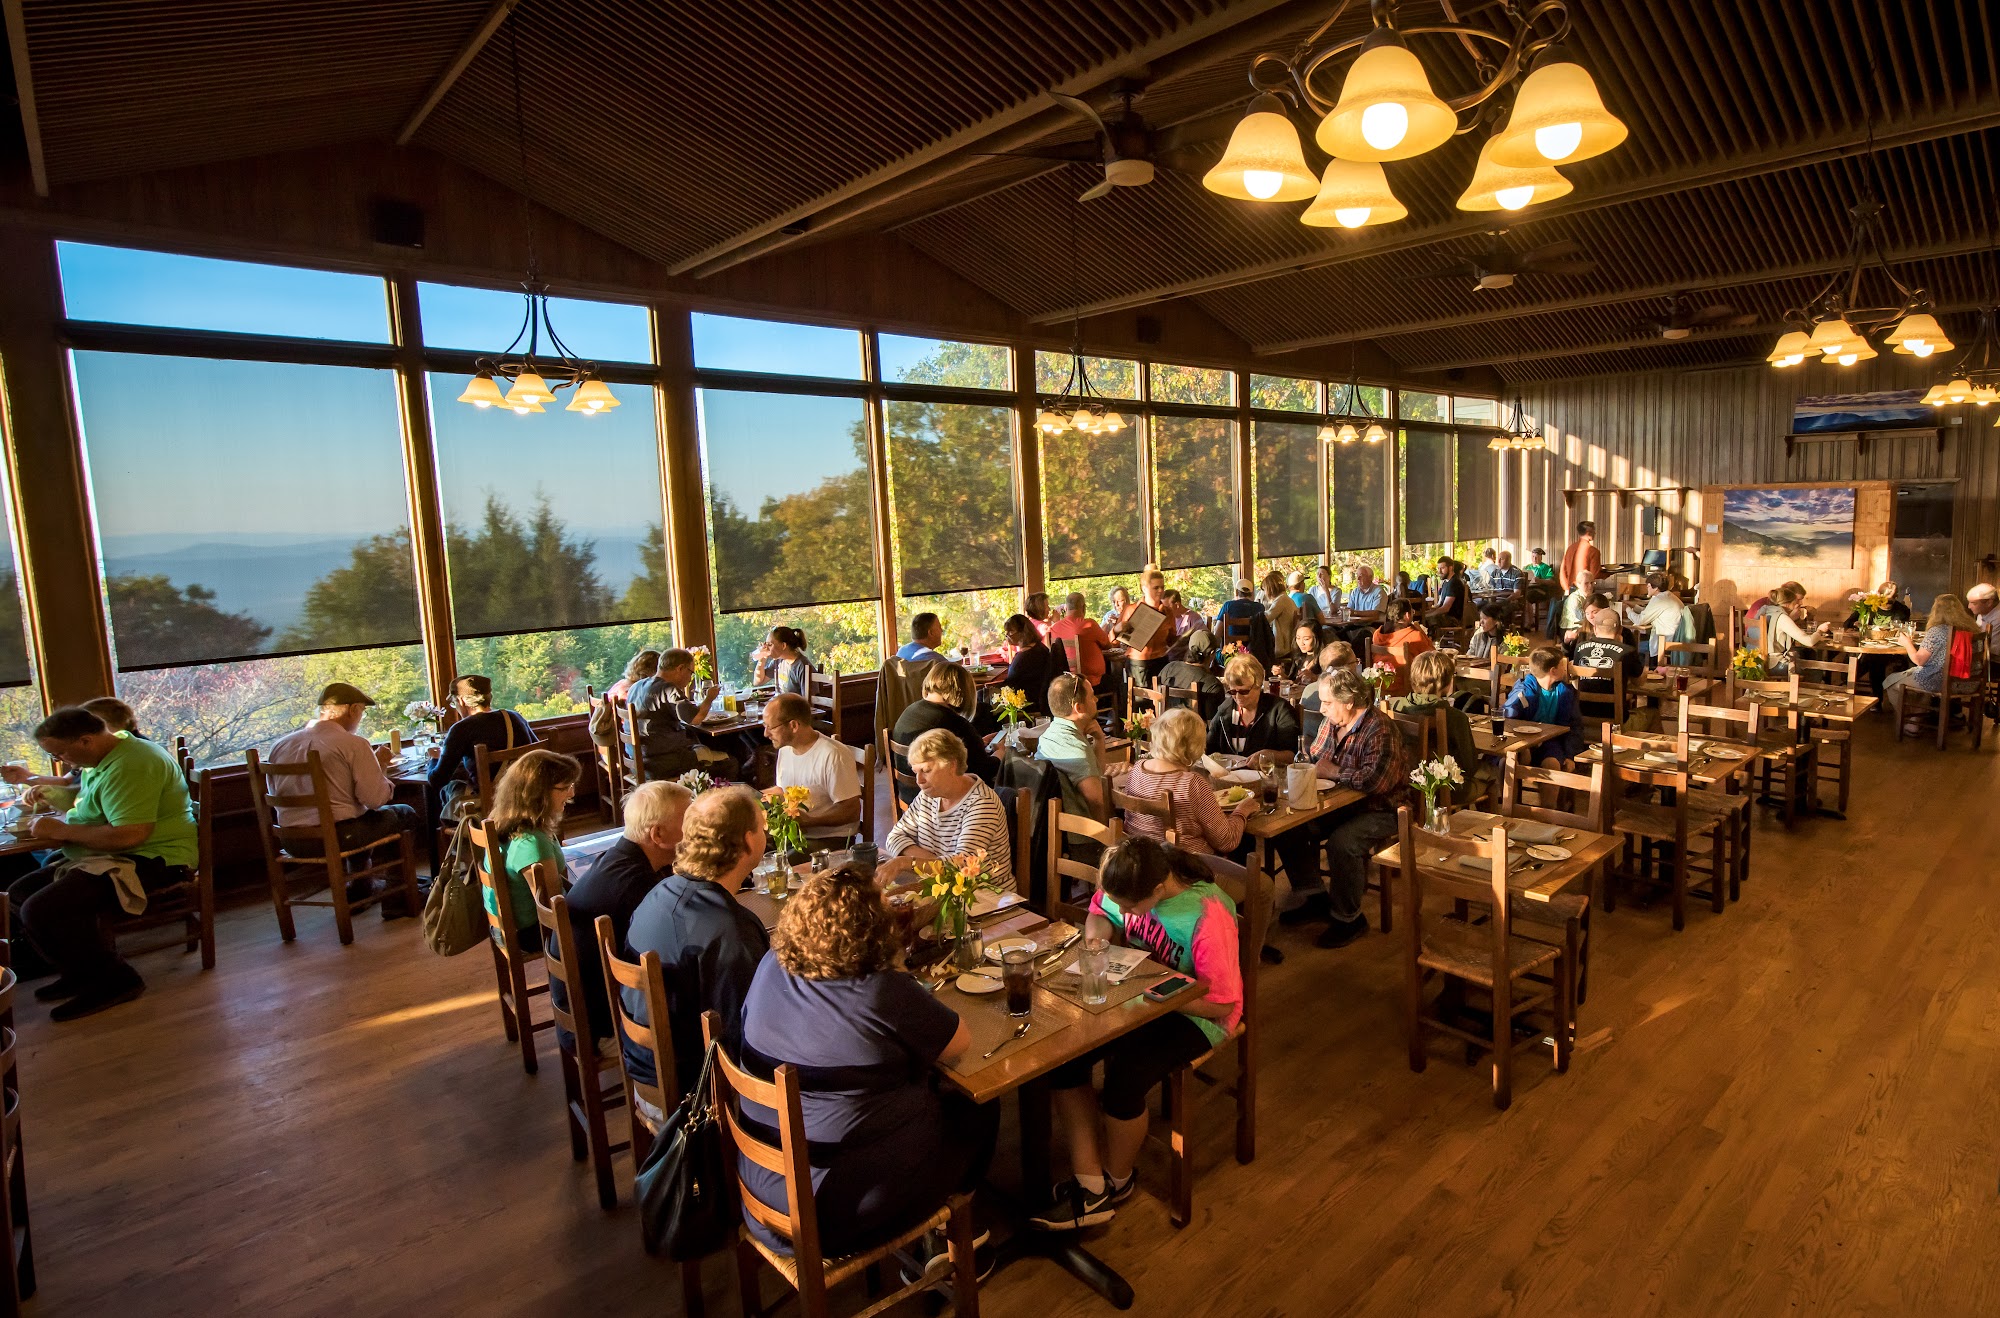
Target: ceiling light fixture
(1077, 405)
(1386, 109)
(1975, 376)
(1355, 421)
(1353, 194)
(529, 373)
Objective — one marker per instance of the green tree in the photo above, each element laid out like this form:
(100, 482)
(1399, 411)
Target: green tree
(13, 633)
(157, 623)
(650, 594)
(1194, 492)
(951, 475)
(371, 601)
(509, 575)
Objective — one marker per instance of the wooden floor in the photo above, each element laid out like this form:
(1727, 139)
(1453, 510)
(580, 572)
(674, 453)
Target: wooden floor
(1788, 1109)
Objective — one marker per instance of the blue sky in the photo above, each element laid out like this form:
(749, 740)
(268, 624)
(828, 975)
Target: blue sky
(731, 343)
(774, 444)
(134, 287)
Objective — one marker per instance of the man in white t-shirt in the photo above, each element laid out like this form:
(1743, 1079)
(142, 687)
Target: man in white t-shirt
(821, 765)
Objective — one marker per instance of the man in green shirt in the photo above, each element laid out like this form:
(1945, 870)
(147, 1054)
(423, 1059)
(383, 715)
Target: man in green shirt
(129, 833)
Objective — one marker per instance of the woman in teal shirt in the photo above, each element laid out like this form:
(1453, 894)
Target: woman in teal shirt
(525, 828)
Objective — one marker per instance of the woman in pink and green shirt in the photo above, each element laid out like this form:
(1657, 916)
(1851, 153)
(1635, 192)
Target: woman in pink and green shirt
(1156, 897)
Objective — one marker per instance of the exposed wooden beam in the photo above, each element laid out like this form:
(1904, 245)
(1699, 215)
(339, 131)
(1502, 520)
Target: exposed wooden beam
(453, 71)
(1033, 117)
(1735, 279)
(24, 91)
(1974, 117)
(1501, 360)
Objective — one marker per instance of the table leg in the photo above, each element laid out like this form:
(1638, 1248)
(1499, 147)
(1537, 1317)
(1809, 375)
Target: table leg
(1061, 1248)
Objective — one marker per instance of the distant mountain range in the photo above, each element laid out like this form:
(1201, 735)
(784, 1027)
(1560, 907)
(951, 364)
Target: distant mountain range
(268, 576)
(1799, 542)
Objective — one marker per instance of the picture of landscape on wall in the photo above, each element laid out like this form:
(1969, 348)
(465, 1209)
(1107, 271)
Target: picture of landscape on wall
(1780, 535)
(1886, 409)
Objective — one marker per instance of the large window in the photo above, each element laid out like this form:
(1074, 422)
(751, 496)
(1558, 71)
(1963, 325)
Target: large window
(732, 343)
(846, 638)
(790, 505)
(1194, 490)
(126, 286)
(1478, 487)
(20, 697)
(246, 508)
(1427, 485)
(951, 483)
(1413, 405)
(1090, 504)
(487, 320)
(1475, 411)
(1360, 504)
(1288, 490)
(1284, 393)
(1110, 377)
(1193, 384)
(907, 360)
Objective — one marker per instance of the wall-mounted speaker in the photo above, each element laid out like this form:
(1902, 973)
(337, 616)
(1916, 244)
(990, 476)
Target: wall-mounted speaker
(396, 223)
(1651, 520)
(1150, 329)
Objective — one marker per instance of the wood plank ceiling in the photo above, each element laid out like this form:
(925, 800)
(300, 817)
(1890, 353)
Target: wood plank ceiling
(703, 135)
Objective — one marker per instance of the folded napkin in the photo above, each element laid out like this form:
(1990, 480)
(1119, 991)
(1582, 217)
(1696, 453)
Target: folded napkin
(1480, 824)
(986, 902)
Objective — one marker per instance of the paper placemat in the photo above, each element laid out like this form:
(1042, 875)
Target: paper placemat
(1146, 974)
(986, 1016)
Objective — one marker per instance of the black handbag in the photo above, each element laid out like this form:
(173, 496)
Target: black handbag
(686, 1190)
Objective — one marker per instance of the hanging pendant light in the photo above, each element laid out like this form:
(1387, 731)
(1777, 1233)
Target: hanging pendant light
(1387, 110)
(1374, 434)
(482, 393)
(593, 398)
(1791, 349)
(1958, 390)
(1502, 187)
(1558, 118)
(1831, 336)
(1856, 351)
(1982, 394)
(1934, 396)
(1919, 335)
(1264, 161)
(1353, 194)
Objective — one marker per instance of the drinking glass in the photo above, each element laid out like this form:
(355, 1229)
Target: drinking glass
(1017, 972)
(970, 950)
(1095, 968)
(777, 879)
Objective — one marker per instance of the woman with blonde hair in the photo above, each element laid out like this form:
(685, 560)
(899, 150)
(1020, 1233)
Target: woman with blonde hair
(954, 814)
(1432, 676)
(1179, 738)
(708, 945)
(1786, 633)
(886, 1145)
(524, 827)
(1933, 654)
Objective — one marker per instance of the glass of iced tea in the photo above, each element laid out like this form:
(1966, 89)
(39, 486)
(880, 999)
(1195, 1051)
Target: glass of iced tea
(1017, 972)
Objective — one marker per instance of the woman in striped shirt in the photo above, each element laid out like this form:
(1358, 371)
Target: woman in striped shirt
(1201, 825)
(954, 813)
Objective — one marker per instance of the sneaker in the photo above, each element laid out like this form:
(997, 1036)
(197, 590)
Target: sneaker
(1074, 1208)
(1310, 911)
(1118, 1193)
(59, 988)
(1342, 932)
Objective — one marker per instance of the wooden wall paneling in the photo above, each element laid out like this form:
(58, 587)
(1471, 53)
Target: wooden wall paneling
(680, 467)
(427, 538)
(54, 537)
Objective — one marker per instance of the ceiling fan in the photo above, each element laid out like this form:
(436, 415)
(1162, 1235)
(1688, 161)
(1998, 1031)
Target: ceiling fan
(1499, 267)
(1683, 318)
(1131, 151)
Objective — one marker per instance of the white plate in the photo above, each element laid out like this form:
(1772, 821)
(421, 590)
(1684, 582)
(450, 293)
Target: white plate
(999, 947)
(1546, 852)
(1240, 778)
(1229, 761)
(971, 983)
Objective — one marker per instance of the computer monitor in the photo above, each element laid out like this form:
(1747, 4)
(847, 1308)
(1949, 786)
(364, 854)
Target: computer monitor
(1654, 560)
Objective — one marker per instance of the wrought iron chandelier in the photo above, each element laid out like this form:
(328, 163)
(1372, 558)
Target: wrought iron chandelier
(1341, 428)
(1970, 381)
(1838, 319)
(1386, 110)
(1077, 405)
(1520, 436)
(534, 379)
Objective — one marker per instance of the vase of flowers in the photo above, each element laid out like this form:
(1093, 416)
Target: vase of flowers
(1010, 706)
(1138, 727)
(784, 807)
(1435, 779)
(423, 711)
(696, 781)
(1231, 650)
(1747, 664)
(1379, 676)
(953, 883)
(1513, 643)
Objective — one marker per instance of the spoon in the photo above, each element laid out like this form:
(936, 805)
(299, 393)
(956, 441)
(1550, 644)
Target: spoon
(1019, 1030)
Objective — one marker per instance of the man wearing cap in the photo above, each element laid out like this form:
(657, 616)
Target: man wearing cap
(1307, 606)
(1984, 601)
(1246, 608)
(357, 784)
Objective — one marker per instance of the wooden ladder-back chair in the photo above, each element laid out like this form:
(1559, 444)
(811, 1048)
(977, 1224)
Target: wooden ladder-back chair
(806, 1269)
(1676, 834)
(864, 770)
(1833, 747)
(510, 959)
(585, 1094)
(1704, 660)
(1160, 808)
(893, 755)
(1736, 728)
(1954, 694)
(1153, 699)
(336, 866)
(647, 1105)
(1204, 703)
(1491, 957)
(488, 765)
(1600, 707)
(20, 1281)
(1063, 827)
(1566, 916)
(186, 907)
(1783, 753)
(1253, 922)
(823, 701)
(1238, 631)
(628, 757)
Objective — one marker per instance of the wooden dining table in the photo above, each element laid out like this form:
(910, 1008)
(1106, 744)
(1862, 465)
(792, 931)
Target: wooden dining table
(1532, 881)
(1652, 686)
(1707, 767)
(1522, 736)
(1844, 707)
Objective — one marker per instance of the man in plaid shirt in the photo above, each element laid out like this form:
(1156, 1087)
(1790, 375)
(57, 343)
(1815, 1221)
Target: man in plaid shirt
(1366, 753)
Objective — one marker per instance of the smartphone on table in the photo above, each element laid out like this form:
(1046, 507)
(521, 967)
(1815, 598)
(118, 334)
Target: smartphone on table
(1168, 987)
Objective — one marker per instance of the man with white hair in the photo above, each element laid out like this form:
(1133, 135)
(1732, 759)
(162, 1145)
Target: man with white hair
(1984, 601)
(616, 883)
